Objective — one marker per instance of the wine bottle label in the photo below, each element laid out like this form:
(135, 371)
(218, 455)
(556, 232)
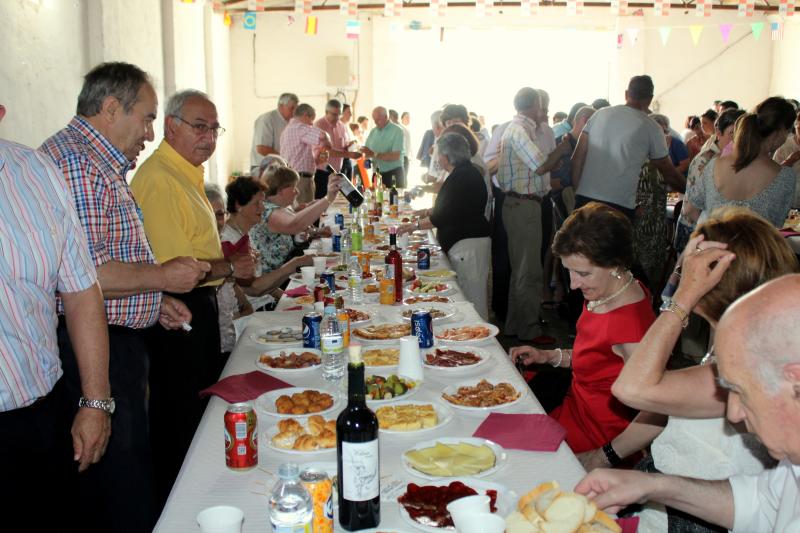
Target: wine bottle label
(360, 472)
(347, 187)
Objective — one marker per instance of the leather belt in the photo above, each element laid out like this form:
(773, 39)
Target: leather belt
(305, 174)
(534, 197)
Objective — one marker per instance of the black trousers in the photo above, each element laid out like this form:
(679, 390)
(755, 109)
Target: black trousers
(182, 364)
(501, 265)
(398, 174)
(321, 183)
(117, 494)
(35, 464)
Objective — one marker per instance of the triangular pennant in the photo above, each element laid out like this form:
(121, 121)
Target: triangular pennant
(746, 8)
(249, 21)
(664, 32)
(757, 28)
(725, 30)
(633, 36)
(620, 40)
(227, 20)
(312, 23)
(696, 30)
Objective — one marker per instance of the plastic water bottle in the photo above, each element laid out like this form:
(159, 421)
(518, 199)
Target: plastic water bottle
(346, 246)
(332, 344)
(354, 280)
(290, 506)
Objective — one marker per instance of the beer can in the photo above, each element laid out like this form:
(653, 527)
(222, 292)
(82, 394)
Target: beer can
(311, 329)
(369, 231)
(241, 436)
(424, 259)
(338, 219)
(422, 327)
(337, 243)
(320, 487)
(320, 291)
(329, 279)
(363, 260)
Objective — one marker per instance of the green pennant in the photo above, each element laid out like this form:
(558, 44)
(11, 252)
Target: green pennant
(756, 28)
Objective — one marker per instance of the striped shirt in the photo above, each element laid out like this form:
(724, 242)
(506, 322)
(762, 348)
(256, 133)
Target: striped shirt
(520, 156)
(95, 172)
(42, 250)
(297, 143)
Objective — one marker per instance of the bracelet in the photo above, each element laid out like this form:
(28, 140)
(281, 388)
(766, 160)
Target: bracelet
(678, 311)
(611, 455)
(560, 358)
(569, 362)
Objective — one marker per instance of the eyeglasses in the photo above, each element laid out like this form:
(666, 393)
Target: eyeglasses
(220, 214)
(709, 359)
(202, 129)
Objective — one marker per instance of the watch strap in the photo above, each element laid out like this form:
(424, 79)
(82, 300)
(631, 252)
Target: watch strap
(611, 455)
(677, 310)
(103, 405)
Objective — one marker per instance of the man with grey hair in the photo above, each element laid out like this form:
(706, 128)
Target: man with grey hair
(384, 145)
(268, 128)
(757, 346)
(116, 109)
(179, 221)
(304, 146)
(340, 146)
(426, 146)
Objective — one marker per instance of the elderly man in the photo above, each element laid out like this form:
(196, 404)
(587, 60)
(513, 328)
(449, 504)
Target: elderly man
(268, 128)
(346, 119)
(115, 112)
(45, 251)
(179, 221)
(299, 142)
(385, 146)
(758, 360)
(337, 132)
(614, 145)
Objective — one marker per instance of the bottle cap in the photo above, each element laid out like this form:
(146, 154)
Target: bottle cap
(288, 471)
(392, 230)
(355, 354)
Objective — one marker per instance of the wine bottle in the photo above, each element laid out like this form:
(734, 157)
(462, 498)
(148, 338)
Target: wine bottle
(393, 194)
(357, 453)
(393, 258)
(348, 190)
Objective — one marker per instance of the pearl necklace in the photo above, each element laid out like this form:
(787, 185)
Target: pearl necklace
(594, 304)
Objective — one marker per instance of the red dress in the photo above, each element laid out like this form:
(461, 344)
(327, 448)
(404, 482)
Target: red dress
(590, 413)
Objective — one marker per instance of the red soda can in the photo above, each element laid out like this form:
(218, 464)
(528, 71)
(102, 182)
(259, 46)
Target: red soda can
(320, 291)
(241, 437)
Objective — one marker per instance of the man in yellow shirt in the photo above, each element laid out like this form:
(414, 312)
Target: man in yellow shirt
(179, 221)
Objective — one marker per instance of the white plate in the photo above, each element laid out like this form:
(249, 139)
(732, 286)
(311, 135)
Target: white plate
(370, 315)
(493, 331)
(447, 274)
(449, 289)
(500, 455)
(353, 335)
(484, 355)
(266, 402)
(449, 300)
(377, 369)
(506, 500)
(448, 310)
(452, 389)
(443, 414)
(261, 339)
(277, 353)
(408, 394)
(273, 430)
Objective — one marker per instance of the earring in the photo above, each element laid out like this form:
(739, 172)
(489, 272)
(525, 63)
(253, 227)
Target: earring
(616, 274)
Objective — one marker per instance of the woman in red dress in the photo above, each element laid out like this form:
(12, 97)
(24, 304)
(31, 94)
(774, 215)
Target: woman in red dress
(596, 245)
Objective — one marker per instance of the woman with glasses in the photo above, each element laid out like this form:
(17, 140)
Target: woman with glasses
(683, 411)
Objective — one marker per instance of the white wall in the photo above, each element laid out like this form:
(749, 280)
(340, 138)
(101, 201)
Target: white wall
(786, 64)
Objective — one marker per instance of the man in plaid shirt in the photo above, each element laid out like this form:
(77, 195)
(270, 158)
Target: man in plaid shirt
(298, 142)
(115, 113)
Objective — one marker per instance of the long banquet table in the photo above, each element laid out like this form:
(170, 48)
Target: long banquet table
(205, 481)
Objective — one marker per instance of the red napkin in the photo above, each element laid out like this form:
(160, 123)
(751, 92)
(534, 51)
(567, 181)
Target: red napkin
(240, 247)
(628, 525)
(788, 232)
(535, 433)
(244, 387)
(302, 290)
(294, 308)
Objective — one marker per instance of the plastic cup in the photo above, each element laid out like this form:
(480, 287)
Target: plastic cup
(327, 245)
(220, 519)
(402, 240)
(410, 364)
(309, 274)
(481, 523)
(319, 265)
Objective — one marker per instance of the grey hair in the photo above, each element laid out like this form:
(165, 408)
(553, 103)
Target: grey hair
(454, 147)
(117, 79)
(286, 98)
(526, 98)
(662, 120)
(436, 118)
(176, 102)
(270, 161)
(333, 104)
(304, 110)
(214, 192)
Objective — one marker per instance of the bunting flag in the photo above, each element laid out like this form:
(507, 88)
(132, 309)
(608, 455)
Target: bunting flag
(633, 36)
(227, 20)
(252, 5)
(756, 28)
(343, 5)
(249, 21)
(352, 8)
(776, 30)
(746, 8)
(703, 8)
(664, 32)
(302, 6)
(695, 30)
(529, 7)
(619, 7)
(620, 40)
(312, 24)
(187, 1)
(574, 7)
(437, 7)
(483, 7)
(725, 30)
(353, 29)
(388, 8)
(661, 7)
(786, 8)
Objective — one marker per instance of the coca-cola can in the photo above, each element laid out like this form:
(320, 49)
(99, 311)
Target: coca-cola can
(241, 436)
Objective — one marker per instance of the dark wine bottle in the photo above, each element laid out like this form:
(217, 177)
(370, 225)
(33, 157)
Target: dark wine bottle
(348, 190)
(393, 194)
(393, 258)
(357, 454)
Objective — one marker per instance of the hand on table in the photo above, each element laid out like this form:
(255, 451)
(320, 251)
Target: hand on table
(528, 355)
(704, 263)
(91, 429)
(173, 313)
(611, 490)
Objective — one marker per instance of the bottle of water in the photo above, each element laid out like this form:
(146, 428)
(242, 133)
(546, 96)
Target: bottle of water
(346, 246)
(354, 280)
(332, 344)
(290, 506)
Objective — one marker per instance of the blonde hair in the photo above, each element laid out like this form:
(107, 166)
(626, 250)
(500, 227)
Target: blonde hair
(278, 178)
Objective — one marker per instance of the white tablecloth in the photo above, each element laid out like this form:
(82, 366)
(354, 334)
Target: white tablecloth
(205, 481)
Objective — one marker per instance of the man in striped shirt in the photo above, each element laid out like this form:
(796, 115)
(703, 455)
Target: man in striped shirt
(43, 250)
(115, 113)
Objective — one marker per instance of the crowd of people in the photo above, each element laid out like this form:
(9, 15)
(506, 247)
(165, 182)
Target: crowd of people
(118, 299)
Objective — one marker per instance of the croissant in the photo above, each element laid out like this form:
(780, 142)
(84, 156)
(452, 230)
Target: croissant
(327, 439)
(315, 423)
(306, 443)
(284, 440)
(290, 425)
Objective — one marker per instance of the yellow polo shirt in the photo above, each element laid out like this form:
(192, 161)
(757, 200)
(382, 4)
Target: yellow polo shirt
(178, 219)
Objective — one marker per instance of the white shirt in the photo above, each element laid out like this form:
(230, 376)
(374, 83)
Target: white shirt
(267, 131)
(767, 502)
(406, 140)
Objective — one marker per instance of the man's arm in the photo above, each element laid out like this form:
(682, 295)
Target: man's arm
(238, 265)
(579, 158)
(388, 156)
(612, 490)
(178, 275)
(265, 150)
(674, 179)
(88, 332)
(639, 434)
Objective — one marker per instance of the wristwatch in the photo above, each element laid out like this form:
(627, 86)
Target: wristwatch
(105, 405)
(669, 306)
